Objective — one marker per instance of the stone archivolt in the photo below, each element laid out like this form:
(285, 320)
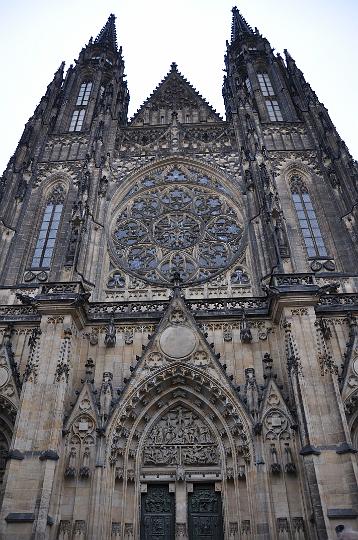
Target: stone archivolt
(191, 386)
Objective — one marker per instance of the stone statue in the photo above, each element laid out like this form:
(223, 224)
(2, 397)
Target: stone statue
(70, 470)
(106, 396)
(110, 337)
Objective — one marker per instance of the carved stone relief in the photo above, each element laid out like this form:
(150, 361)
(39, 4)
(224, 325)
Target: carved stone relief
(80, 440)
(276, 425)
(180, 438)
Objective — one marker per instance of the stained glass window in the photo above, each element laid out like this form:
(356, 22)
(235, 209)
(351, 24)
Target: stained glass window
(177, 222)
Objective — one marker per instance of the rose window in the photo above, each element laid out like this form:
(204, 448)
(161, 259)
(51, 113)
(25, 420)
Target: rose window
(186, 228)
(177, 231)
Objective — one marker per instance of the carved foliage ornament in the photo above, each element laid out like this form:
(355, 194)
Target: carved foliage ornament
(177, 227)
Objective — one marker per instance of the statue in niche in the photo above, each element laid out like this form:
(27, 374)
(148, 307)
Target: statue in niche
(85, 469)
(110, 337)
(252, 393)
(245, 332)
(106, 396)
(70, 471)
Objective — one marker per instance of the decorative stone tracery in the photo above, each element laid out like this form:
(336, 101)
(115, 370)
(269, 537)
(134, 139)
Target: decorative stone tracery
(179, 226)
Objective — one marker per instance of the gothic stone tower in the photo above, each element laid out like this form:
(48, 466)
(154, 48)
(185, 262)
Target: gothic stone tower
(179, 352)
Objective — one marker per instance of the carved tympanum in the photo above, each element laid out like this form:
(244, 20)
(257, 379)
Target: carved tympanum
(180, 438)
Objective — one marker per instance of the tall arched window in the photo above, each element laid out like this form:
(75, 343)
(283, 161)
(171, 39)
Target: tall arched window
(307, 218)
(272, 106)
(81, 104)
(48, 231)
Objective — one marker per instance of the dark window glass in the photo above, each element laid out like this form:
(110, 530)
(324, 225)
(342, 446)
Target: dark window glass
(47, 236)
(265, 84)
(273, 110)
(84, 94)
(309, 225)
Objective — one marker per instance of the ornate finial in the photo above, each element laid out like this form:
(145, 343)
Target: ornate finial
(173, 66)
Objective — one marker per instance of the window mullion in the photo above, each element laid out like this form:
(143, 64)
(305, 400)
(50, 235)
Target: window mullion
(47, 235)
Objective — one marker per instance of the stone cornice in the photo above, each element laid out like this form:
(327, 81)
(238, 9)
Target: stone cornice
(291, 290)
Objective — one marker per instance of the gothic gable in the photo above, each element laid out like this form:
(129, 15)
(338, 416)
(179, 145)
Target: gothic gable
(10, 385)
(174, 95)
(179, 339)
(85, 407)
(275, 416)
(349, 384)
(178, 393)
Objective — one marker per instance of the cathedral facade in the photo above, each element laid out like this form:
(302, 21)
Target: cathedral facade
(178, 308)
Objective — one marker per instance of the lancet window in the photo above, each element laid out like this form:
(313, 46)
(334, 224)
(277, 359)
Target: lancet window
(48, 230)
(78, 114)
(272, 106)
(307, 218)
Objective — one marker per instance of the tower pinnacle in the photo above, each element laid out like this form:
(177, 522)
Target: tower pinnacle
(239, 25)
(108, 36)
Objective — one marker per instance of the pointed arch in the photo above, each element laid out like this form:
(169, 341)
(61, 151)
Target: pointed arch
(48, 227)
(7, 422)
(152, 392)
(158, 396)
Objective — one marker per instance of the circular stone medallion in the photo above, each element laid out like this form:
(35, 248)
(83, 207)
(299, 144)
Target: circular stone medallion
(355, 365)
(4, 375)
(177, 341)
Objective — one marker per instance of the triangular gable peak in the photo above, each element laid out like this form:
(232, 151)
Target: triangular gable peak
(174, 95)
(10, 386)
(275, 416)
(85, 408)
(178, 339)
(349, 384)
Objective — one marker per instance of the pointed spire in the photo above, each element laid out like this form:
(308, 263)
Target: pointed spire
(239, 25)
(108, 35)
(288, 56)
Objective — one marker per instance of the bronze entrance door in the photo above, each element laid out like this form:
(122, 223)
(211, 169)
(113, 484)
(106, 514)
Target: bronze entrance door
(205, 516)
(158, 513)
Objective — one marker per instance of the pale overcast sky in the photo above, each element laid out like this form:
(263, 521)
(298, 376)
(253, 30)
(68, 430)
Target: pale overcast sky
(37, 35)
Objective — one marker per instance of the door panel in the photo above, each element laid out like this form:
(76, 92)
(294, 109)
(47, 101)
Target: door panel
(158, 513)
(205, 517)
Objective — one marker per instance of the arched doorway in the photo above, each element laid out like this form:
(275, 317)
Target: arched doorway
(181, 446)
(7, 420)
(179, 451)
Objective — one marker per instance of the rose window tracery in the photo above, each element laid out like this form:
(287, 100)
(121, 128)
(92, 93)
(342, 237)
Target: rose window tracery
(187, 228)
